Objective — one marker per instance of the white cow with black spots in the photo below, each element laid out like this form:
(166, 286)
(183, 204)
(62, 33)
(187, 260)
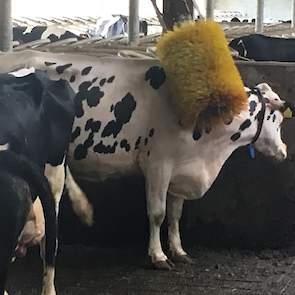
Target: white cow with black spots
(125, 124)
(52, 32)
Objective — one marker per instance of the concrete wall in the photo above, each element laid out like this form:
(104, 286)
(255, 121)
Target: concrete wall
(249, 205)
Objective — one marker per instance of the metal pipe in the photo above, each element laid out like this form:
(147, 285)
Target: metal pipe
(133, 23)
(260, 16)
(196, 6)
(210, 9)
(293, 15)
(159, 15)
(5, 26)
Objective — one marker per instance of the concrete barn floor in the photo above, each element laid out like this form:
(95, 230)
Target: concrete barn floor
(96, 271)
(252, 209)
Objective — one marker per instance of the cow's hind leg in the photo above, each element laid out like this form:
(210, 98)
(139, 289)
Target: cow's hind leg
(56, 178)
(15, 203)
(174, 211)
(3, 276)
(6, 247)
(80, 204)
(48, 287)
(157, 182)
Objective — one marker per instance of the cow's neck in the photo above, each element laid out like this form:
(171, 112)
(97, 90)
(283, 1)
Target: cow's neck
(216, 147)
(246, 128)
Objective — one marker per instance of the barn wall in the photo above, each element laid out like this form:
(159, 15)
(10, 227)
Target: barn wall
(273, 9)
(251, 204)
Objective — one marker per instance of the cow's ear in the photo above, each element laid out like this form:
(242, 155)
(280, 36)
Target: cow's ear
(264, 87)
(58, 101)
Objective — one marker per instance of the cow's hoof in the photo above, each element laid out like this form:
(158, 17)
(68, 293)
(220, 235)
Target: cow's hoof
(183, 259)
(163, 265)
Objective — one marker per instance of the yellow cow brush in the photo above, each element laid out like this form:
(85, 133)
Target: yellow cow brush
(203, 79)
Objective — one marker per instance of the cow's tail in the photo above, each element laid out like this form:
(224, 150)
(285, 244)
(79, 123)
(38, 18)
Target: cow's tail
(80, 204)
(20, 166)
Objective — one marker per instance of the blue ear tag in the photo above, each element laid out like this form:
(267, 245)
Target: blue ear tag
(251, 150)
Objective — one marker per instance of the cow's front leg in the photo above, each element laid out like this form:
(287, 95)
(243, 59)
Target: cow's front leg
(174, 212)
(157, 182)
(56, 178)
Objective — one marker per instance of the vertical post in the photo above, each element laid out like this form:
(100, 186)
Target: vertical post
(210, 9)
(293, 15)
(260, 16)
(133, 23)
(5, 25)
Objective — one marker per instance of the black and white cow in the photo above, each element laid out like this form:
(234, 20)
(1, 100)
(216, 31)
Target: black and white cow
(53, 33)
(125, 123)
(264, 48)
(36, 117)
(19, 177)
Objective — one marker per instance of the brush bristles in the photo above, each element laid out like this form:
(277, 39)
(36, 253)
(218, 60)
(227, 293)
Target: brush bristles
(203, 78)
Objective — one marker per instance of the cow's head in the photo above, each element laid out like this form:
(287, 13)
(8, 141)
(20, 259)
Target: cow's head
(269, 141)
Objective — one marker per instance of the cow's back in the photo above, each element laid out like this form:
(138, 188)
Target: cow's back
(27, 34)
(265, 48)
(120, 104)
(21, 116)
(36, 116)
